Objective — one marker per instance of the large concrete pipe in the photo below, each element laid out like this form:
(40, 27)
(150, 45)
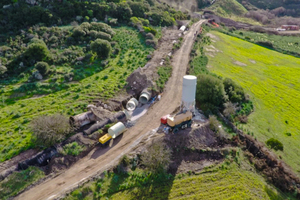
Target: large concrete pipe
(132, 104)
(145, 96)
(119, 116)
(83, 119)
(97, 126)
(116, 130)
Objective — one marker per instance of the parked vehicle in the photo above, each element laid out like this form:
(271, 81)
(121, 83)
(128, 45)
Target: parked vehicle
(179, 121)
(113, 132)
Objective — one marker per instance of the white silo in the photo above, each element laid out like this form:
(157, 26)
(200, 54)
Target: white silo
(188, 92)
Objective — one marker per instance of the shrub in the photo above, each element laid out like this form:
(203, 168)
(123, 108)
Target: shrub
(73, 149)
(275, 144)
(42, 67)
(113, 22)
(157, 157)
(102, 35)
(150, 30)
(37, 51)
(78, 32)
(85, 26)
(288, 134)
(53, 39)
(139, 8)
(235, 92)
(229, 109)
(152, 43)
(213, 123)
(3, 69)
(98, 26)
(47, 130)
(149, 36)
(210, 90)
(265, 44)
(101, 47)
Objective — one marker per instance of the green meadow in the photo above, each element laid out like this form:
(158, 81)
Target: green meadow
(272, 81)
(225, 181)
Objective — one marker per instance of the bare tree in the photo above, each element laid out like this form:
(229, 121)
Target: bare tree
(157, 157)
(47, 130)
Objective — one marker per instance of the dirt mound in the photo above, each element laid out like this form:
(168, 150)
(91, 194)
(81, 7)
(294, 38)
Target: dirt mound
(138, 81)
(60, 163)
(101, 113)
(145, 77)
(226, 21)
(198, 138)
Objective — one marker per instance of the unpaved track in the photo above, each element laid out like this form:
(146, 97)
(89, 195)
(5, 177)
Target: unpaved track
(99, 160)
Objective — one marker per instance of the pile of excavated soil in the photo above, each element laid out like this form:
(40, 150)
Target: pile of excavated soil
(145, 77)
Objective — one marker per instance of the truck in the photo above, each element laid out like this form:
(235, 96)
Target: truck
(113, 132)
(181, 120)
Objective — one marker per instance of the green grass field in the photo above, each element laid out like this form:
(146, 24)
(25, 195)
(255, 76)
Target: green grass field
(18, 181)
(288, 44)
(225, 181)
(272, 81)
(71, 99)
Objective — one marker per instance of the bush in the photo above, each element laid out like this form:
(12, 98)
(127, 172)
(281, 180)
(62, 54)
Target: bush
(98, 26)
(53, 39)
(265, 44)
(235, 92)
(43, 68)
(213, 123)
(149, 36)
(102, 35)
(48, 130)
(150, 30)
(210, 90)
(152, 43)
(78, 32)
(101, 47)
(73, 149)
(37, 51)
(275, 144)
(157, 157)
(3, 69)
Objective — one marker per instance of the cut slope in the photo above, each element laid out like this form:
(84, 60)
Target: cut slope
(272, 81)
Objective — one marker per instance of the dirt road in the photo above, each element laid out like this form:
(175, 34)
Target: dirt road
(100, 160)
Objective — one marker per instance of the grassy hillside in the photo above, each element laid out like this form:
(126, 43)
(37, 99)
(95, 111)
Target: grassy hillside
(283, 44)
(231, 9)
(228, 8)
(72, 99)
(226, 181)
(272, 81)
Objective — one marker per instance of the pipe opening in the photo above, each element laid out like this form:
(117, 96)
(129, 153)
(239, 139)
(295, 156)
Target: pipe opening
(143, 99)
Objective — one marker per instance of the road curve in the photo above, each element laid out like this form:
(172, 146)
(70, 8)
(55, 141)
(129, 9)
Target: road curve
(99, 160)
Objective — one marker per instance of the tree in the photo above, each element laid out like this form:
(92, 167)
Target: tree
(101, 47)
(47, 130)
(157, 157)
(210, 90)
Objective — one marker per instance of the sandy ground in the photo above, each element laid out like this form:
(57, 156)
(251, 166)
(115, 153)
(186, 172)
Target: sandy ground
(99, 159)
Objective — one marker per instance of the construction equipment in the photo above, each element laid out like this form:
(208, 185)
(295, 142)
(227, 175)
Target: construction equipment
(182, 120)
(213, 22)
(113, 132)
